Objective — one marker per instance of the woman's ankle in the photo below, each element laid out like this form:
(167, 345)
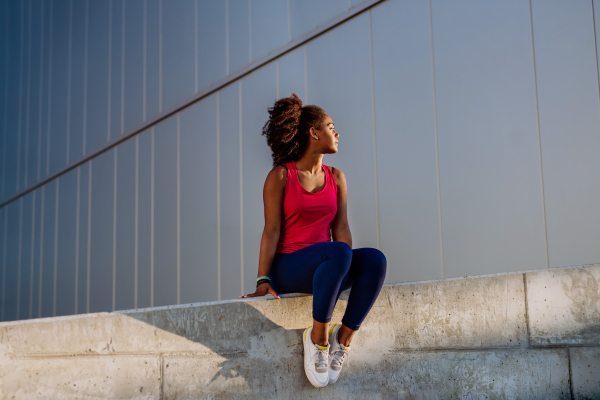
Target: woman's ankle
(345, 335)
(318, 339)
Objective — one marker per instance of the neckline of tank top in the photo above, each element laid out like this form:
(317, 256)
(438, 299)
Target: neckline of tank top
(323, 167)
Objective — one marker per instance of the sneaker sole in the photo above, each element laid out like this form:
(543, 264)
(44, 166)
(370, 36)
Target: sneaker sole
(311, 379)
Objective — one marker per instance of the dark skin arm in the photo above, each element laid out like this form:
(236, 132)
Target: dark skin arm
(340, 230)
(273, 192)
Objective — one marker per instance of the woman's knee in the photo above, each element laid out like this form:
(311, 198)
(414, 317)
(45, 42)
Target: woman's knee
(341, 252)
(377, 262)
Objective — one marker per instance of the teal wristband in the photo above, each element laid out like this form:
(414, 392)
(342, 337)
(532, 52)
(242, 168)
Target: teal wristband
(262, 277)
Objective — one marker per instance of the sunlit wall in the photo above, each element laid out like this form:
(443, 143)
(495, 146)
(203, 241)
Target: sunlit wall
(469, 137)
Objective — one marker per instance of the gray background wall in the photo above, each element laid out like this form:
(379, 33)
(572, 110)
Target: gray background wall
(470, 134)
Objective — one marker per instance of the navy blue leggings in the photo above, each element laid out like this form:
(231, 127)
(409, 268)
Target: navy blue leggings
(325, 270)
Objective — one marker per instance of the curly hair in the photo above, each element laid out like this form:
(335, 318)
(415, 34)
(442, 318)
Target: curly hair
(287, 128)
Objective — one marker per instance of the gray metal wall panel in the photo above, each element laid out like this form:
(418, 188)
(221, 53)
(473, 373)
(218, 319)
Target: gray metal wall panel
(116, 75)
(179, 52)
(259, 92)
(152, 61)
(48, 250)
(12, 116)
(145, 200)
(82, 273)
(101, 250)
(567, 83)
(165, 212)
(12, 260)
(76, 150)
(125, 240)
(306, 15)
(198, 199)
(37, 252)
(97, 76)
(212, 46)
(490, 179)
(24, 278)
(67, 239)
(59, 77)
(292, 74)
(23, 114)
(229, 171)
(239, 37)
(34, 94)
(405, 131)
(269, 26)
(347, 75)
(133, 102)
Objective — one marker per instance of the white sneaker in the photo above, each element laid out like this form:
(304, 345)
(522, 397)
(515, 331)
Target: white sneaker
(339, 353)
(316, 361)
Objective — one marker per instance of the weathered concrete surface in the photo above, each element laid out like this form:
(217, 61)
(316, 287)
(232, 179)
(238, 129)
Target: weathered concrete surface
(116, 377)
(564, 306)
(585, 366)
(458, 338)
(500, 374)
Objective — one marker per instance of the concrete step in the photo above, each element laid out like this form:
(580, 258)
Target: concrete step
(533, 335)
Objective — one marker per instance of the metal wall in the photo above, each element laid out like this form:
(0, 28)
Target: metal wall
(476, 127)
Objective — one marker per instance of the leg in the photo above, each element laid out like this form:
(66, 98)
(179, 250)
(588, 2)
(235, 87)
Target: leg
(366, 276)
(320, 269)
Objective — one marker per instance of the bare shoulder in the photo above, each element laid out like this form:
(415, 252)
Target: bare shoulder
(339, 176)
(277, 176)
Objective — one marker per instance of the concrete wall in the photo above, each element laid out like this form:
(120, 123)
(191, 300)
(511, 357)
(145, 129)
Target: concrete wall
(530, 335)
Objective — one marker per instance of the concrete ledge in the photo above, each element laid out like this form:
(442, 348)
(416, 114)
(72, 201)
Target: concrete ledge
(497, 336)
(564, 306)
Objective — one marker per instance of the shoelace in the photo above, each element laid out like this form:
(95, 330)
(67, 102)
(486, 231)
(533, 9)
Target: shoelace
(339, 356)
(322, 357)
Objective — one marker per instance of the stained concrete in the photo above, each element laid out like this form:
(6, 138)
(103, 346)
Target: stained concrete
(564, 306)
(477, 337)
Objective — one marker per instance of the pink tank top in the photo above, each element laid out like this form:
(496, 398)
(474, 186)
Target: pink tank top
(306, 217)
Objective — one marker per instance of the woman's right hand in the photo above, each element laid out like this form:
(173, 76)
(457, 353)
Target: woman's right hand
(262, 290)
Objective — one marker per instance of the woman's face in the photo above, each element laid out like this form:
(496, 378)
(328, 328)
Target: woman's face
(328, 137)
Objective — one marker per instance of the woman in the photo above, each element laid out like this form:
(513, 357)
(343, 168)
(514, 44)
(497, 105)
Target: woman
(304, 201)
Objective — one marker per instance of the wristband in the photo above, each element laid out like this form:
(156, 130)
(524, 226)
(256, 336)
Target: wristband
(262, 281)
(262, 277)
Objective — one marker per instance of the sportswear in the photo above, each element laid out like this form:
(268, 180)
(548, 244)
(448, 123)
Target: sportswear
(338, 353)
(316, 360)
(306, 217)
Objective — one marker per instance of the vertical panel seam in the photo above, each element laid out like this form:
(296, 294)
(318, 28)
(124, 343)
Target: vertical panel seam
(5, 134)
(226, 37)
(89, 239)
(69, 71)
(374, 129)
(26, 171)
(55, 246)
(250, 31)
(137, 188)
(305, 75)
(114, 232)
(19, 249)
(145, 56)
(42, 203)
(218, 202)
(109, 86)
(4, 261)
(596, 48)
(152, 217)
(123, 67)
(289, 22)
(160, 43)
(537, 115)
(32, 263)
(20, 117)
(41, 92)
(241, 194)
(196, 46)
(435, 128)
(77, 223)
(49, 118)
(277, 77)
(85, 73)
(178, 209)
